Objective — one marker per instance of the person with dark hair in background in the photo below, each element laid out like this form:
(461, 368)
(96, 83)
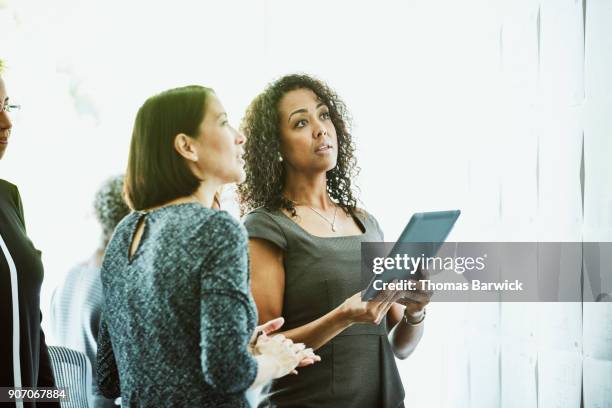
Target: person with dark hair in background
(76, 304)
(24, 358)
(305, 233)
(178, 321)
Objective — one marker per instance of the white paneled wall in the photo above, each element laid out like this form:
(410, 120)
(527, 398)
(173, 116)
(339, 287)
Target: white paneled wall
(501, 108)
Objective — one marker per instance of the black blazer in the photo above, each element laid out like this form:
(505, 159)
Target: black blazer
(36, 368)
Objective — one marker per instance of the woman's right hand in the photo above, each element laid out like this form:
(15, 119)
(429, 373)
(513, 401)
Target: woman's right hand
(357, 311)
(286, 354)
(308, 357)
(278, 356)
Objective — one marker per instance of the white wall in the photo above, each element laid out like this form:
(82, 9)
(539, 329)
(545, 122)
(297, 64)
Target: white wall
(478, 105)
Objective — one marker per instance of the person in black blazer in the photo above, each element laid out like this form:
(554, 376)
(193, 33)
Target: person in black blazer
(24, 358)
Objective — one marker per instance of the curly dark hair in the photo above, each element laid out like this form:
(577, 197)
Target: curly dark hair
(110, 206)
(265, 174)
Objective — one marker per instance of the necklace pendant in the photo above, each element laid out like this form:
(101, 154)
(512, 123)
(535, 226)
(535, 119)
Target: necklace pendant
(333, 228)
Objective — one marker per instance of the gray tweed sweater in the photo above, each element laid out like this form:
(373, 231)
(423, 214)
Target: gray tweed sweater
(178, 315)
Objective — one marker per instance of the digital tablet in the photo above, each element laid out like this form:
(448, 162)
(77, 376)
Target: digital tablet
(428, 230)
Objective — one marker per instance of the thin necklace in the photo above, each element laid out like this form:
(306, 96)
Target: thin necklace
(332, 222)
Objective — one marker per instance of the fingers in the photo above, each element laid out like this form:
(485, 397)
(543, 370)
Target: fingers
(277, 337)
(308, 357)
(419, 296)
(267, 327)
(309, 353)
(286, 354)
(388, 299)
(410, 302)
(386, 309)
(297, 347)
(382, 296)
(306, 362)
(378, 309)
(379, 297)
(271, 326)
(397, 296)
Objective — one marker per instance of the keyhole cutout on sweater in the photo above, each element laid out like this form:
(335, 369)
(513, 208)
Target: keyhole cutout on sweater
(137, 237)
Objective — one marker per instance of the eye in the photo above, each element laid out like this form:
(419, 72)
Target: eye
(300, 123)
(325, 115)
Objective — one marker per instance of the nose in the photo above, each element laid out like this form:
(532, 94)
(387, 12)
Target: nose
(5, 121)
(240, 138)
(319, 130)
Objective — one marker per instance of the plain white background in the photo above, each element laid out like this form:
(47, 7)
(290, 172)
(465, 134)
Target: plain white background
(477, 105)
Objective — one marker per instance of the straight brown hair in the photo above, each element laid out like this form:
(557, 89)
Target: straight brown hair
(156, 172)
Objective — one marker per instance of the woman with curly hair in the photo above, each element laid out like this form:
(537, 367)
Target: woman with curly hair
(305, 235)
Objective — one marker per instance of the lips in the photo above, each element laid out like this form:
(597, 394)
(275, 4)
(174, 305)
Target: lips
(323, 148)
(4, 140)
(240, 159)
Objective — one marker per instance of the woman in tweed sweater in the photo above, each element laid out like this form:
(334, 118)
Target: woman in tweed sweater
(178, 314)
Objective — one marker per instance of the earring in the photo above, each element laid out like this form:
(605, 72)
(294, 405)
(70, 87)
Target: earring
(280, 158)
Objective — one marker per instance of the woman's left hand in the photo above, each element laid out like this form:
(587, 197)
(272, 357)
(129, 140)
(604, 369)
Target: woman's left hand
(416, 300)
(414, 307)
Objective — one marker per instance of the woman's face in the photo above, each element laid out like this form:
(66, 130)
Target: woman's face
(219, 146)
(5, 121)
(309, 143)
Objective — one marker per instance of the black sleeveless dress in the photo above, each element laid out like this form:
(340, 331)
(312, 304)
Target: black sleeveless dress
(357, 367)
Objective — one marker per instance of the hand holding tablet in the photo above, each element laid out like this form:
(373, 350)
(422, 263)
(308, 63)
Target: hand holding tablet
(427, 231)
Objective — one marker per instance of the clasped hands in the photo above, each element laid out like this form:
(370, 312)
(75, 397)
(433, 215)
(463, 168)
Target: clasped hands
(287, 354)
